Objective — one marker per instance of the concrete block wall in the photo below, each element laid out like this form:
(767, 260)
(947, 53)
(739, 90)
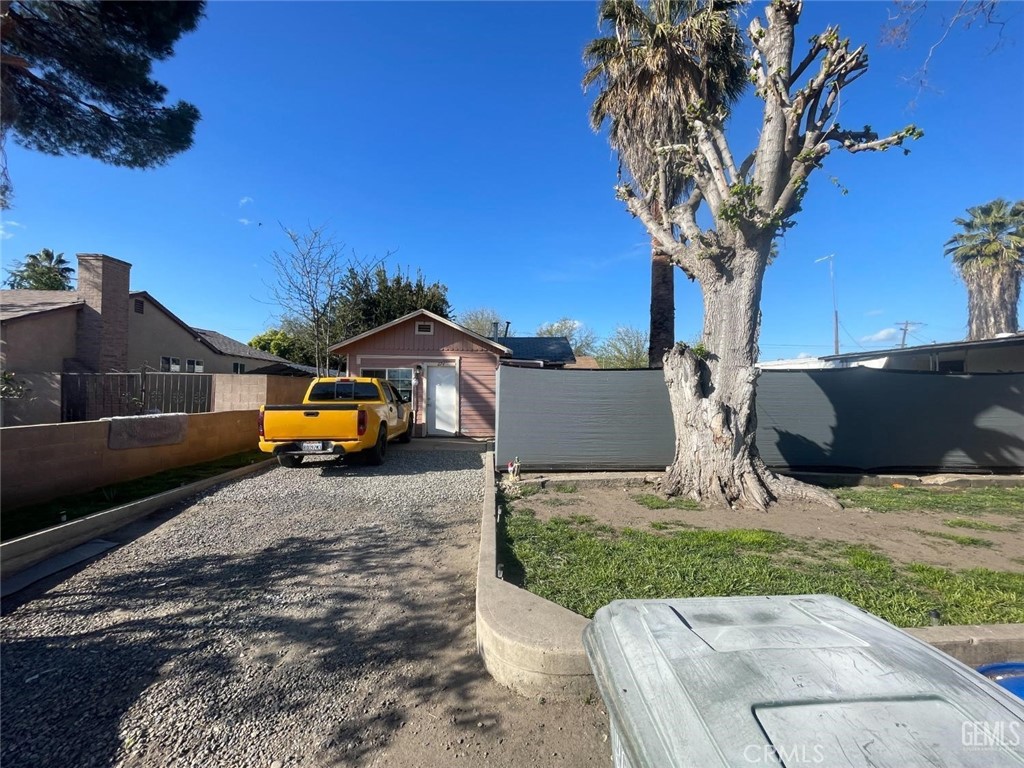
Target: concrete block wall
(44, 462)
(232, 392)
(282, 390)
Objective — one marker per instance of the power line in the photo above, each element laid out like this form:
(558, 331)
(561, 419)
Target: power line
(797, 346)
(906, 326)
(854, 340)
(922, 339)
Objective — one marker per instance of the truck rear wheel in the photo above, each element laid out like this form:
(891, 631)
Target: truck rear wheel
(375, 456)
(289, 460)
(406, 436)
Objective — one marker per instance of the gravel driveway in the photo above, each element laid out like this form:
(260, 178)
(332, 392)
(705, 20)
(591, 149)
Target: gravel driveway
(315, 616)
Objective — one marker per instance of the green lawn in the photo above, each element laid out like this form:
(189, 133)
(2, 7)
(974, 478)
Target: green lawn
(961, 501)
(19, 522)
(582, 566)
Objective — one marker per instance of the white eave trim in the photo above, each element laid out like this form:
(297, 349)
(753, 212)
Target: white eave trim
(428, 314)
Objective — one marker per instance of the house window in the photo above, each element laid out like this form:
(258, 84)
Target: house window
(238, 367)
(951, 366)
(400, 378)
(170, 364)
(424, 329)
(140, 307)
(193, 366)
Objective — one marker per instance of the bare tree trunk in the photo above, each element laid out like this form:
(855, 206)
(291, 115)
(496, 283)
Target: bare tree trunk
(663, 307)
(992, 297)
(712, 391)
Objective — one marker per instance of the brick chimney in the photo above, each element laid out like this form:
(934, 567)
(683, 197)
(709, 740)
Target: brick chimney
(102, 339)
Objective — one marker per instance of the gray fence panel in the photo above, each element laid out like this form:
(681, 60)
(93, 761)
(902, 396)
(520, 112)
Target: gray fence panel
(579, 419)
(89, 396)
(866, 419)
(858, 419)
(179, 392)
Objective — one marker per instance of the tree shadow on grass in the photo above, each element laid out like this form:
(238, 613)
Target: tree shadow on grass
(512, 568)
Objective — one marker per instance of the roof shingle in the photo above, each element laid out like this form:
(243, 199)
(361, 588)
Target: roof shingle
(19, 303)
(228, 346)
(549, 349)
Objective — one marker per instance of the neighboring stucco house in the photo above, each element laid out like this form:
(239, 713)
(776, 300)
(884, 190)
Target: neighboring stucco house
(38, 329)
(1003, 354)
(447, 371)
(102, 327)
(158, 340)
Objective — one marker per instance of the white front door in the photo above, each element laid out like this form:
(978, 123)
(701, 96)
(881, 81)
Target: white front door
(442, 400)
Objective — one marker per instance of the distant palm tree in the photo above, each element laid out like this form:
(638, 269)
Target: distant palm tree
(651, 70)
(43, 271)
(989, 254)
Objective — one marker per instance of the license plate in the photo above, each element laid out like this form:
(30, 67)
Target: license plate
(314, 445)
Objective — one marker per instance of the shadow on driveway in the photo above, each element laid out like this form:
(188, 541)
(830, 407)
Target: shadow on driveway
(237, 643)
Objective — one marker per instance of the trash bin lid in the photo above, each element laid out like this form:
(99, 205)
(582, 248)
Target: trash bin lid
(790, 680)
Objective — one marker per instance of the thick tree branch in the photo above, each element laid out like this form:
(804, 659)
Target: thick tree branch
(684, 216)
(812, 54)
(722, 144)
(868, 141)
(775, 42)
(680, 254)
(710, 152)
(699, 169)
(851, 141)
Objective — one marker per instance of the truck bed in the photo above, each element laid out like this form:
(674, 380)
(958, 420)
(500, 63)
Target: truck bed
(327, 421)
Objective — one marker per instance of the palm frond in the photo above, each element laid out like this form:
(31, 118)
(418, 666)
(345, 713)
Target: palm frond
(657, 61)
(992, 237)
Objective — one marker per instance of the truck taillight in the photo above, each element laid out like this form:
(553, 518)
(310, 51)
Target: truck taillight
(361, 425)
(262, 433)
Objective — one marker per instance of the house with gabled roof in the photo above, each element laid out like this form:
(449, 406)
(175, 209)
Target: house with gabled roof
(446, 370)
(102, 327)
(158, 340)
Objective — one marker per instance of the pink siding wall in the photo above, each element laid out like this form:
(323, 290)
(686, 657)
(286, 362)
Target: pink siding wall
(401, 339)
(400, 347)
(477, 395)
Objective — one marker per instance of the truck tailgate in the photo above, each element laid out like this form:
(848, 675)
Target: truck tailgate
(311, 422)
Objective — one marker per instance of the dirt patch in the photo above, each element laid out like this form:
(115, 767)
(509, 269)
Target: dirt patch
(906, 537)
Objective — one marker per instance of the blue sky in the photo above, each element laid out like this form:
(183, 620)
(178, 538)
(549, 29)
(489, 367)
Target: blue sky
(455, 135)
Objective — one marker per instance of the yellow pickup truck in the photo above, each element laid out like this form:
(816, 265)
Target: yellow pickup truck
(338, 416)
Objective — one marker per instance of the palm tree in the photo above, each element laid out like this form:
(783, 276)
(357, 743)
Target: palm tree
(989, 255)
(43, 271)
(652, 71)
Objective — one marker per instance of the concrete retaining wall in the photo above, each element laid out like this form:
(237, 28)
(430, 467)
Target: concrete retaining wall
(43, 462)
(535, 647)
(527, 643)
(21, 553)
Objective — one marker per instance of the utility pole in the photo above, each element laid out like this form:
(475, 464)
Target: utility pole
(835, 306)
(907, 325)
